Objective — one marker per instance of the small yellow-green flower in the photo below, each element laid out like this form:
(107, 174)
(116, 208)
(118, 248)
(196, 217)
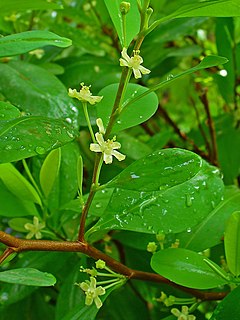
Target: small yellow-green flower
(182, 315)
(152, 247)
(108, 148)
(92, 292)
(84, 95)
(34, 228)
(100, 264)
(134, 63)
(37, 52)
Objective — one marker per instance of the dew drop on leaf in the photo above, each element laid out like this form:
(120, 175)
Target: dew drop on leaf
(40, 150)
(188, 200)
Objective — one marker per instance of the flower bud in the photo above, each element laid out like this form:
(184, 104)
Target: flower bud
(124, 7)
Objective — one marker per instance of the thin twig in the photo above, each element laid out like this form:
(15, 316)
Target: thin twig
(204, 99)
(182, 135)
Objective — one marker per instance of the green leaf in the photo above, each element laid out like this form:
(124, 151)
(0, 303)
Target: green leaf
(28, 277)
(225, 46)
(187, 268)
(23, 42)
(50, 170)
(207, 62)
(28, 136)
(12, 5)
(17, 224)
(209, 8)
(8, 111)
(36, 91)
(232, 243)
(132, 115)
(132, 19)
(168, 191)
(203, 235)
(12, 206)
(229, 307)
(18, 184)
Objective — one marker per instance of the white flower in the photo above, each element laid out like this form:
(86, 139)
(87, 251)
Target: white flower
(134, 63)
(34, 228)
(108, 148)
(84, 94)
(92, 292)
(182, 315)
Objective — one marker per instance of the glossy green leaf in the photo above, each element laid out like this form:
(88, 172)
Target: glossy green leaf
(159, 170)
(224, 40)
(204, 236)
(232, 243)
(229, 307)
(8, 111)
(168, 191)
(17, 224)
(18, 184)
(207, 62)
(11, 5)
(23, 42)
(209, 8)
(36, 91)
(28, 277)
(12, 206)
(50, 170)
(132, 115)
(28, 136)
(187, 268)
(132, 20)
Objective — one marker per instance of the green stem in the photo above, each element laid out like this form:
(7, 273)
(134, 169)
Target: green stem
(114, 284)
(107, 281)
(31, 178)
(88, 121)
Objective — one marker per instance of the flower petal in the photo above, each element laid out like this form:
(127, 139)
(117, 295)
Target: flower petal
(98, 302)
(95, 147)
(123, 63)
(125, 55)
(118, 155)
(107, 158)
(100, 125)
(137, 73)
(84, 286)
(99, 138)
(116, 145)
(144, 70)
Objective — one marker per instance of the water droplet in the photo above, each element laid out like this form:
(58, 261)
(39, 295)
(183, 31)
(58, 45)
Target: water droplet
(150, 228)
(164, 212)
(8, 147)
(134, 176)
(98, 205)
(4, 296)
(170, 76)
(189, 200)
(70, 134)
(40, 150)
(69, 120)
(213, 204)
(189, 230)
(119, 121)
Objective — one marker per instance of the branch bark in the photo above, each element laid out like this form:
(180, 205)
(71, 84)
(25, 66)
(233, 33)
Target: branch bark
(16, 245)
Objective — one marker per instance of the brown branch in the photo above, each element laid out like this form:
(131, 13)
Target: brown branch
(204, 99)
(20, 245)
(182, 135)
(200, 127)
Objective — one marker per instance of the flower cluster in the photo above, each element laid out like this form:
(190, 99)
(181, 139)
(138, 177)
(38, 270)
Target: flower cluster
(134, 63)
(91, 288)
(183, 314)
(34, 228)
(108, 148)
(84, 94)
